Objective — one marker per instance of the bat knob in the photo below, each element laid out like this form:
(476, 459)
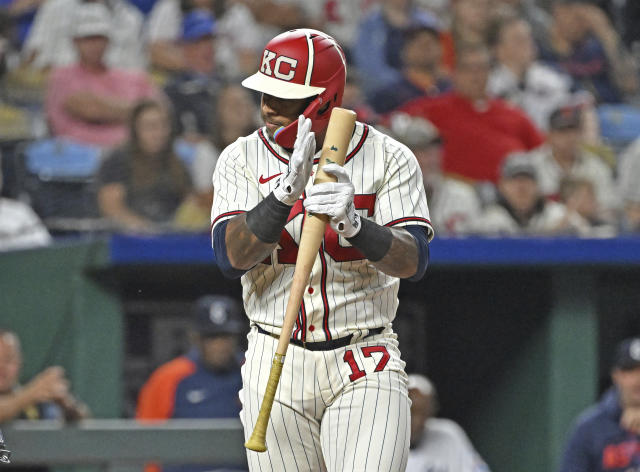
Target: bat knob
(256, 444)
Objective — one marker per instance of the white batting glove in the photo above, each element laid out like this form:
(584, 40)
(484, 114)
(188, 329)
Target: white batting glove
(335, 199)
(291, 185)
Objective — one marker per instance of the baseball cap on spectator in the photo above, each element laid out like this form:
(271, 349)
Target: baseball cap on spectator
(517, 164)
(198, 24)
(420, 383)
(91, 19)
(216, 315)
(565, 117)
(627, 354)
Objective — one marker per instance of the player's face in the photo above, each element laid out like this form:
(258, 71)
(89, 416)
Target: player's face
(10, 362)
(628, 383)
(218, 351)
(277, 112)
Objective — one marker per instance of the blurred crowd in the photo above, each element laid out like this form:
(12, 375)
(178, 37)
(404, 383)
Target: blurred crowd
(524, 115)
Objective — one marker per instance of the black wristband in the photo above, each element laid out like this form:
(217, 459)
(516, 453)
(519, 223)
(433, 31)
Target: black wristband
(267, 219)
(372, 240)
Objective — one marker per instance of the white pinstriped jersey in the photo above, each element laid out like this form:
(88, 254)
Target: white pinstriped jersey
(346, 293)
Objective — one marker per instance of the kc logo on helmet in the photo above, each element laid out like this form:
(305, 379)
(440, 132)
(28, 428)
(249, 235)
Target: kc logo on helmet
(268, 68)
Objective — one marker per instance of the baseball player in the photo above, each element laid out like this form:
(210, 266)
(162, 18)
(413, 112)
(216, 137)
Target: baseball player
(342, 403)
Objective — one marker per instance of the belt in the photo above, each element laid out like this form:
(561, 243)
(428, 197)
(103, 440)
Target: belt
(329, 345)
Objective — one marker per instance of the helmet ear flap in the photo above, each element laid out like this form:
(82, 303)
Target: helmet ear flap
(286, 137)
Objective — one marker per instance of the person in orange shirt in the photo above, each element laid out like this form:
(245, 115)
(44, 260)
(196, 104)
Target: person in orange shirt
(204, 383)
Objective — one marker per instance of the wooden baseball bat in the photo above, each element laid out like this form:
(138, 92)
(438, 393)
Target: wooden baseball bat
(334, 149)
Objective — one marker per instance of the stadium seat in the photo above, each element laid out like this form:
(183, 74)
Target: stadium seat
(57, 177)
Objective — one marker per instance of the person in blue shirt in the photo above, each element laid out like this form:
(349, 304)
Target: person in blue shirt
(204, 383)
(606, 437)
(583, 44)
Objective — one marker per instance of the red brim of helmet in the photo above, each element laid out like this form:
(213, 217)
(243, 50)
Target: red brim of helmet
(280, 88)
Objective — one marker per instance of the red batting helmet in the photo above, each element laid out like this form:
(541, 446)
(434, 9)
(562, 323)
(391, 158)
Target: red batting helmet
(302, 63)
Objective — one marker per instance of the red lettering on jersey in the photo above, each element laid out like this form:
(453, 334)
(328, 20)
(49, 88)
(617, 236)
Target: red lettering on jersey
(356, 373)
(331, 245)
(288, 251)
(367, 351)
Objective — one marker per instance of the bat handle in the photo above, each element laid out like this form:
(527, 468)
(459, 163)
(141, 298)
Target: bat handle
(257, 441)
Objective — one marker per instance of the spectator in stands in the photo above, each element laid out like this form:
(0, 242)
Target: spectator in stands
(630, 219)
(478, 130)
(50, 42)
(422, 72)
(579, 195)
(46, 396)
(6, 40)
(469, 27)
(625, 15)
(20, 227)
(165, 28)
(245, 26)
(564, 156)
(90, 101)
(142, 185)
(529, 10)
(521, 209)
(354, 99)
(193, 90)
(453, 204)
(235, 114)
(21, 13)
(518, 77)
(437, 444)
(628, 188)
(583, 44)
(341, 20)
(601, 438)
(381, 35)
(204, 383)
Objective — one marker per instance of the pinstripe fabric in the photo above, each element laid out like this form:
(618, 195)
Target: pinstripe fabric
(340, 410)
(344, 285)
(321, 421)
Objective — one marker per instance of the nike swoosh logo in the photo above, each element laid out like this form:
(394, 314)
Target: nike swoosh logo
(264, 180)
